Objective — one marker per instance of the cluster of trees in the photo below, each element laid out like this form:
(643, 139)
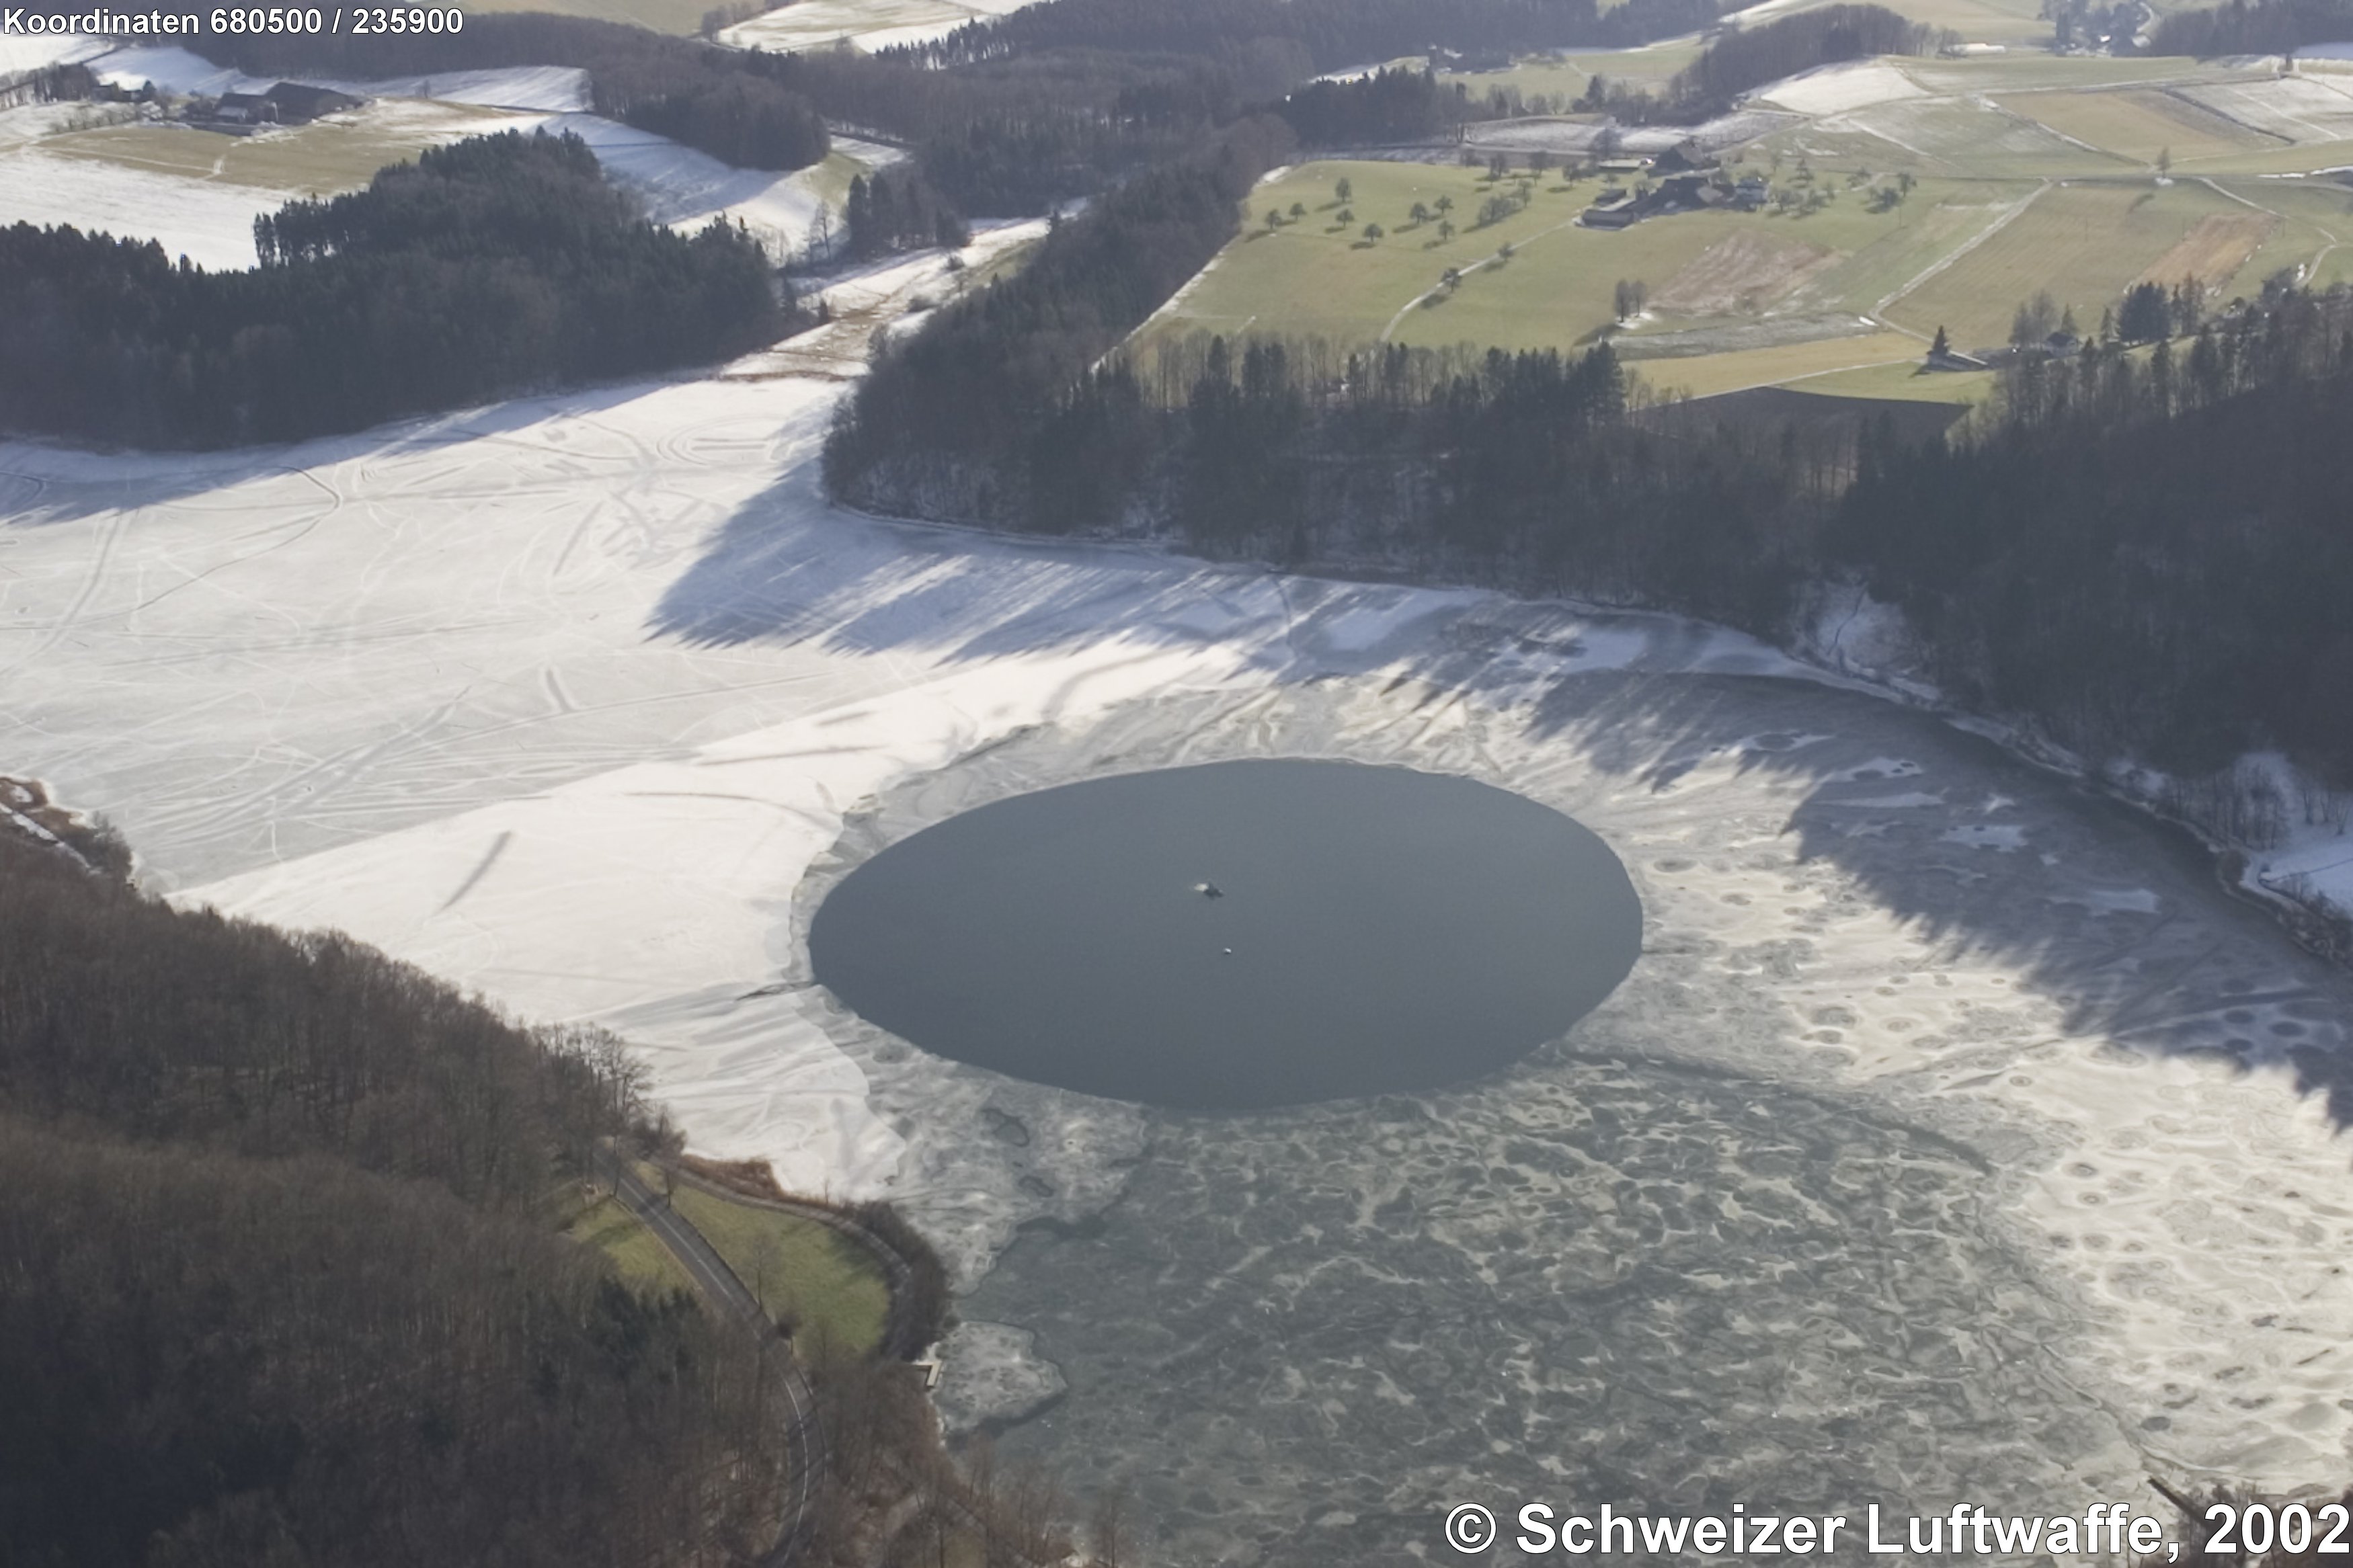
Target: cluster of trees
(2075, 23)
(949, 411)
(2251, 27)
(489, 266)
(899, 209)
(1395, 104)
(1749, 58)
(737, 118)
(1536, 471)
(1739, 59)
(67, 83)
(251, 1186)
(1012, 137)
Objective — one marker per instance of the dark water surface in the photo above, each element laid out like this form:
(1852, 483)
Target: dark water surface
(1374, 930)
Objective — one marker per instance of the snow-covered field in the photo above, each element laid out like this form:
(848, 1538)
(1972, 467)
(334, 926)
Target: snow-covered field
(209, 222)
(552, 89)
(1578, 136)
(189, 190)
(2294, 108)
(21, 54)
(1835, 90)
(687, 189)
(867, 24)
(207, 213)
(196, 193)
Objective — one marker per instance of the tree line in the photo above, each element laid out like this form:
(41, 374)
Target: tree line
(2251, 27)
(949, 406)
(899, 209)
(1537, 471)
(1335, 33)
(1396, 104)
(489, 267)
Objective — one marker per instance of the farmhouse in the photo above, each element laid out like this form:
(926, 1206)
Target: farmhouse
(1952, 359)
(298, 104)
(1444, 59)
(244, 109)
(1616, 211)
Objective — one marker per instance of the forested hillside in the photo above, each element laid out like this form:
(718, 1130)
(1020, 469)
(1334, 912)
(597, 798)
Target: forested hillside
(2148, 553)
(276, 1284)
(2143, 555)
(491, 267)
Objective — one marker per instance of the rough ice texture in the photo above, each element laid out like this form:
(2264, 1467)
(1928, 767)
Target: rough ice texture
(1890, 1174)
(582, 700)
(991, 1377)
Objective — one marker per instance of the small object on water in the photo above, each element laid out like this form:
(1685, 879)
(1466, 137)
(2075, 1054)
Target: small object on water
(1227, 951)
(1208, 890)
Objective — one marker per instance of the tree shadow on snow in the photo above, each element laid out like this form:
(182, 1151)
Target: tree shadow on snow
(2118, 917)
(2115, 916)
(44, 483)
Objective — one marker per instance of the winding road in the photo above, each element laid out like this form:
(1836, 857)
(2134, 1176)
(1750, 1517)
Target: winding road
(720, 1286)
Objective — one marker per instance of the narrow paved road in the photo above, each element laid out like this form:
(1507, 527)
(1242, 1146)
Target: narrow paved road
(897, 1277)
(719, 1285)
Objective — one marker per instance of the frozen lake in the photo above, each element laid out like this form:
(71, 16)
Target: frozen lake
(1954, 1137)
(1257, 932)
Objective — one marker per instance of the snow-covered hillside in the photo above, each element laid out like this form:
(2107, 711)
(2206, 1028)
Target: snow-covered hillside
(197, 194)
